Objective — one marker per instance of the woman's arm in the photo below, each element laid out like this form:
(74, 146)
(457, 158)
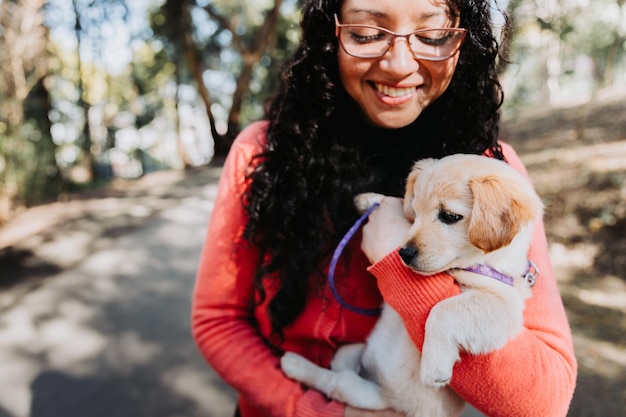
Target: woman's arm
(534, 374)
(223, 321)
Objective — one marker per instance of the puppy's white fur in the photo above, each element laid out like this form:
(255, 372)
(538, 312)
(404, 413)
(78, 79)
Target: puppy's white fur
(466, 210)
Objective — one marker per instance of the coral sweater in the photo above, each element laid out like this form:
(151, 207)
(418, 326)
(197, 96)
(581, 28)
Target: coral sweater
(533, 375)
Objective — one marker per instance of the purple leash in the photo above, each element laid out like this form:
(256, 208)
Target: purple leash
(372, 312)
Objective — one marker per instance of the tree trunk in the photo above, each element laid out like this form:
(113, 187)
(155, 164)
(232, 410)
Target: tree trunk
(250, 57)
(87, 162)
(180, 146)
(264, 39)
(178, 14)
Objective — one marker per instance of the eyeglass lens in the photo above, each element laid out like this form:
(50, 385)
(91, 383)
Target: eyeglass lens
(370, 41)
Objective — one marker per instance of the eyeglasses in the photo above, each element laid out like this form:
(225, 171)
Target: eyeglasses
(365, 41)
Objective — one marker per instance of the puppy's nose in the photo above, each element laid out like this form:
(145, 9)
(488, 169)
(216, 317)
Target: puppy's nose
(408, 254)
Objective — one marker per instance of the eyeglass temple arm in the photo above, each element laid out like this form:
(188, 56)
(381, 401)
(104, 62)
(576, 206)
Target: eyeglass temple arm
(337, 25)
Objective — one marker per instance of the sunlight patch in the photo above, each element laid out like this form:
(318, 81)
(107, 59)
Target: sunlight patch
(603, 358)
(197, 385)
(67, 343)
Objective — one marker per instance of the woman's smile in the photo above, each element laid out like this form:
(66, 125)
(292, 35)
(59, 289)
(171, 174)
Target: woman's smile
(390, 96)
(394, 91)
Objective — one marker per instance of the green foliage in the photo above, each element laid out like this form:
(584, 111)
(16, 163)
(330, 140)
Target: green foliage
(150, 71)
(564, 51)
(266, 75)
(28, 169)
(221, 30)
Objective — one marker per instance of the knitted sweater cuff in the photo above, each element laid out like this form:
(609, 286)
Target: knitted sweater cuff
(410, 294)
(315, 404)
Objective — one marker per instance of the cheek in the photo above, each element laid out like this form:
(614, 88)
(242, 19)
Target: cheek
(351, 71)
(441, 72)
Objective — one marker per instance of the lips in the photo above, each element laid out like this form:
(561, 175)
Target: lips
(394, 91)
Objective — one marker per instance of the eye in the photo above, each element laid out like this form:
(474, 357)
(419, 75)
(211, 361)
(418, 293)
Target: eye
(363, 34)
(435, 37)
(448, 217)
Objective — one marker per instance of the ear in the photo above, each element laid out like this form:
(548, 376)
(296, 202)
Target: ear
(409, 193)
(501, 207)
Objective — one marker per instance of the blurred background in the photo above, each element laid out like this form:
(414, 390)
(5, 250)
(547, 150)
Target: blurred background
(114, 119)
(96, 89)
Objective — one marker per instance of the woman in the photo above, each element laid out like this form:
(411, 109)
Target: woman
(360, 101)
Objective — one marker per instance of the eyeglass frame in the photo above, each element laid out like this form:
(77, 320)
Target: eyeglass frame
(394, 36)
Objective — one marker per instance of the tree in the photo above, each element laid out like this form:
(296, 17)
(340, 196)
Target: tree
(600, 35)
(87, 19)
(28, 169)
(242, 38)
(565, 50)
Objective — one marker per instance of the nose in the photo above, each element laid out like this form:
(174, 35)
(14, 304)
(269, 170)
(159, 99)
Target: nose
(408, 254)
(399, 58)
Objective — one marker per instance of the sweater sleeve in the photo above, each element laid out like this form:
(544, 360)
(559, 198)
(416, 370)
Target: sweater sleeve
(535, 373)
(223, 321)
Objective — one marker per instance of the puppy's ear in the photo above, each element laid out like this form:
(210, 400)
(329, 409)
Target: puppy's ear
(409, 193)
(408, 196)
(501, 207)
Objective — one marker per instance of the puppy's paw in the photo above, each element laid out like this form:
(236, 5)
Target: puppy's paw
(436, 365)
(348, 357)
(295, 366)
(366, 200)
(306, 372)
(435, 377)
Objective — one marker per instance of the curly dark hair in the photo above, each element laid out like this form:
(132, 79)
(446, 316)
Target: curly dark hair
(319, 155)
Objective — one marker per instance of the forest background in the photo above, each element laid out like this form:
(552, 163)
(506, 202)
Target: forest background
(92, 90)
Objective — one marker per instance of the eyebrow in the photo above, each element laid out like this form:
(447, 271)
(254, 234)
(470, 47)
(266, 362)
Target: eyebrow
(378, 13)
(375, 13)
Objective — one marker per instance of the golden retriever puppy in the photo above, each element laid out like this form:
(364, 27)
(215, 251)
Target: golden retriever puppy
(472, 216)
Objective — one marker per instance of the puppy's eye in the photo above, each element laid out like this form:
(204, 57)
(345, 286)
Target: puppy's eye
(449, 218)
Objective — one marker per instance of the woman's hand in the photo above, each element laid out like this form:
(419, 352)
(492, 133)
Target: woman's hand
(359, 412)
(385, 229)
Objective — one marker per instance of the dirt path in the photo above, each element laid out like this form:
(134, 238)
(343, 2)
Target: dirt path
(109, 334)
(48, 239)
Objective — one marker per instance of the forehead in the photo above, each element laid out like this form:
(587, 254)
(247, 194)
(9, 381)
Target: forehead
(430, 199)
(436, 188)
(417, 10)
(444, 183)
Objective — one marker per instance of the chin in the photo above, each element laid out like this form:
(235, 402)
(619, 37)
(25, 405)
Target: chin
(392, 121)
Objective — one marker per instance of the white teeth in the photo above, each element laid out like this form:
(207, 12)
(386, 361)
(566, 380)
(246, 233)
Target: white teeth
(392, 91)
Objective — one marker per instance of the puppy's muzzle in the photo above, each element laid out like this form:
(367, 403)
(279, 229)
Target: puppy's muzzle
(408, 255)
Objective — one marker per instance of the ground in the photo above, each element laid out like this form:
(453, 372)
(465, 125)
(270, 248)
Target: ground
(576, 158)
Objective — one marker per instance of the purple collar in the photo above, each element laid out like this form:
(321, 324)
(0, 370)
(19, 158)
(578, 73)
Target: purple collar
(530, 276)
